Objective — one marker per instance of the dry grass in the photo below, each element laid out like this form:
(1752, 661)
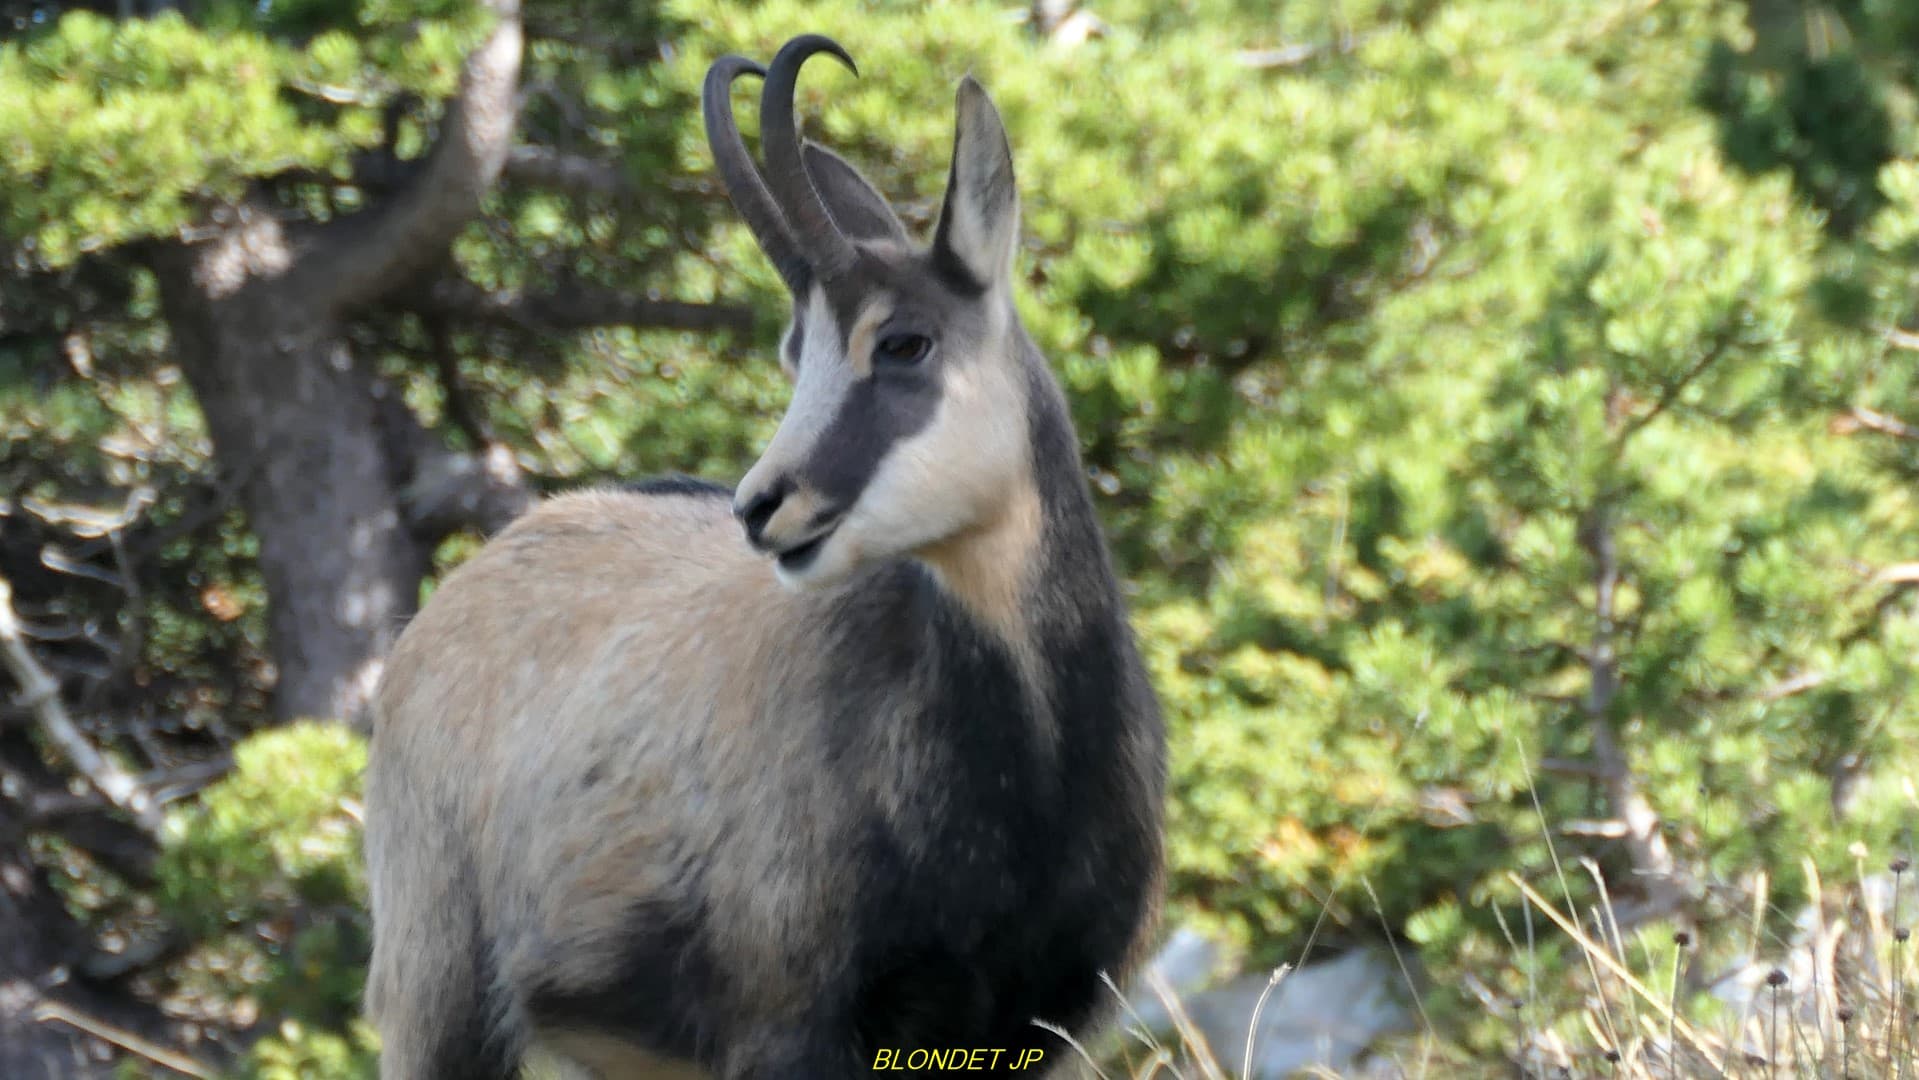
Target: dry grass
(1838, 1004)
(1837, 1001)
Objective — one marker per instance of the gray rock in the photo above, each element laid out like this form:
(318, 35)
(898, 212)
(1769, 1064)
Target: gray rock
(1323, 1014)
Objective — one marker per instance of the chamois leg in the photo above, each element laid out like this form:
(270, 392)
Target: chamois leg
(587, 1056)
(431, 990)
(813, 1055)
(442, 1032)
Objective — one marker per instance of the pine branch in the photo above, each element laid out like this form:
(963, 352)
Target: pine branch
(41, 695)
(576, 307)
(357, 259)
(574, 174)
(1720, 345)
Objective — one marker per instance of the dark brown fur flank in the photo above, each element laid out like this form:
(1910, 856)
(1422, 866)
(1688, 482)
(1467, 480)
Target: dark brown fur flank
(636, 803)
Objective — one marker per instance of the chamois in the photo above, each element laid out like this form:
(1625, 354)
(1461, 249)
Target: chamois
(639, 800)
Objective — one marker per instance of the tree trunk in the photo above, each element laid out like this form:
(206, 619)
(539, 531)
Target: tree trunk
(257, 317)
(1654, 870)
(293, 416)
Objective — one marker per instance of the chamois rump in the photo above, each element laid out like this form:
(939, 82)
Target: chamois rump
(639, 800)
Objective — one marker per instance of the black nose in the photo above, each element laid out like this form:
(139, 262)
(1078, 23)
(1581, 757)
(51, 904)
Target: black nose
(756, 511)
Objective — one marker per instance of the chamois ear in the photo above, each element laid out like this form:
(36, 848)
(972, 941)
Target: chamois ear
(979, 224)
(855, 205)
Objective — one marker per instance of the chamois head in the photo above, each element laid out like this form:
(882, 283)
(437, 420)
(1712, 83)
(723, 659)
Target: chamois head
(908, 423)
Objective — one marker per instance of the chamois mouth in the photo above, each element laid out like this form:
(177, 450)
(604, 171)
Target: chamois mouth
(797, 558)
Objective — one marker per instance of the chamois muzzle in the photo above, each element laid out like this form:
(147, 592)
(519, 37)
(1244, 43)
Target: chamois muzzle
(795, 537)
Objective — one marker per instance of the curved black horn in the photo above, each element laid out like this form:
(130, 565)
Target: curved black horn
(828, 252)
(743, 183)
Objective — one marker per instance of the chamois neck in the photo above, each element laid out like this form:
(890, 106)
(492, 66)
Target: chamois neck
(1039, 565)
(990, 569)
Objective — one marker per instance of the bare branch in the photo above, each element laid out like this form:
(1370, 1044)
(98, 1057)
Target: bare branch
(1609, 829)
(1905, 573)
(41, 694)
(49, 1010)
(49, 807)
(1296, 54)
(545, 167)
(354, 260)
(1284, 56)
(91, 522)
(180, 781)
(577, 307)
(1044, 16)
(451, 491)
(442, 490)
(85, 821)
(1798, 684)
(1859, 418)
(1063, 24)
(1902, 339)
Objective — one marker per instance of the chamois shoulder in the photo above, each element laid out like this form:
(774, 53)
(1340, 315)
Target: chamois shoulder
(678, 484)
(675, 518)
(579, 573)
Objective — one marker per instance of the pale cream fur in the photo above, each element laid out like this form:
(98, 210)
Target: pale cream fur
(639, 640)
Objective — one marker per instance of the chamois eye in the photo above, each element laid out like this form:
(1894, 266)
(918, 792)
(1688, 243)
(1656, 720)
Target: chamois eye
(903, 348)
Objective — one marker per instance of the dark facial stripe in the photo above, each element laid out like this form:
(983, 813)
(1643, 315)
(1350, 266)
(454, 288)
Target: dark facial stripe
(877, 413)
